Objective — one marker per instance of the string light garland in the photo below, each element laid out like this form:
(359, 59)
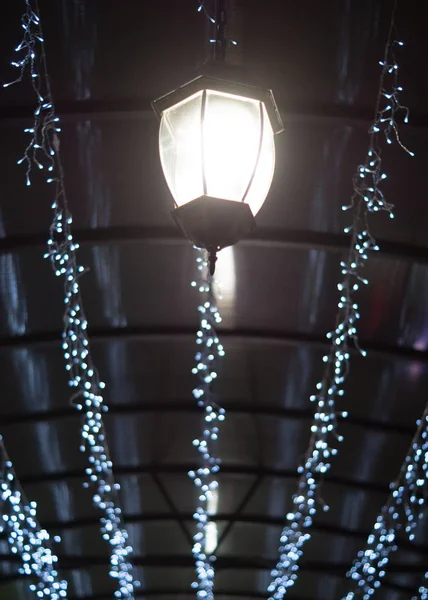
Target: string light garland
(209, 349)
(43, 152)
(422, 591)
(367, 198)
(25, 536)
(202, 8)
(403, 510)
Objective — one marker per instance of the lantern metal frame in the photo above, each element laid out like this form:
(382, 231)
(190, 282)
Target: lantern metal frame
(204, 82)
(208, 222)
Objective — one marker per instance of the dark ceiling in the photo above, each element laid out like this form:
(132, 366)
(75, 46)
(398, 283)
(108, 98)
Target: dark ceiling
(107, 61)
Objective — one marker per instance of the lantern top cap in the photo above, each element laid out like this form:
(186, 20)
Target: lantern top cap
(227, 87)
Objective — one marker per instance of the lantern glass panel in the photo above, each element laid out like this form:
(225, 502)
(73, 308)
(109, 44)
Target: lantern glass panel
(219, 145)
(180, 149)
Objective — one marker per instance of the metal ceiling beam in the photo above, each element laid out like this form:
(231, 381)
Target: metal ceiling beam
(223, 563)
(250, 336)
(226, 469)
(234, 593)
(179, 593)
(275, 238)
(254, 519)
(146, 593)
(141, 593)
(188, 406)
(222, 592)
(138, 108)
(238, 512)
(175, 513)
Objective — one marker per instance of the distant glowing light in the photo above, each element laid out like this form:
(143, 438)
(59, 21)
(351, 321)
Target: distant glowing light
(225, 280)
(211, 534)
(211, 538)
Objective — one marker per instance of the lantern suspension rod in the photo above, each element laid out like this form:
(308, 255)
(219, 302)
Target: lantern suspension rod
(219, 57)
(220, 44)
(220, 27)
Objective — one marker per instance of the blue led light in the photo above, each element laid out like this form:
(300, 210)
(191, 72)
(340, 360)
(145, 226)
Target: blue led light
(422, 591)
(25, 536)
(43, 152)
(203, 9)
(367, 198)
(209, 349)
(403, 511)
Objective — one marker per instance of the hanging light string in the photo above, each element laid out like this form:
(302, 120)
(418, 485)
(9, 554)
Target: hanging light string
(45, 122)
(209, 349)
(402, 512)
(43, 152)
(202, 8)
(422, 591)
(25, 536)
(367, 198)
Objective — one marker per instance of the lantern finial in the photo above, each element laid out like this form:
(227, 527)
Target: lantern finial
(212, 259)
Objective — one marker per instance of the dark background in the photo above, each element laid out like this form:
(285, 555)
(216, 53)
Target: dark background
(107, 61)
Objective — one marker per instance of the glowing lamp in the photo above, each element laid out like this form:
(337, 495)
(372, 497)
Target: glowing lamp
(216, 143)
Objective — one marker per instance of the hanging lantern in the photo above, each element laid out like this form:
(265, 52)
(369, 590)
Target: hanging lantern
(217, 151)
